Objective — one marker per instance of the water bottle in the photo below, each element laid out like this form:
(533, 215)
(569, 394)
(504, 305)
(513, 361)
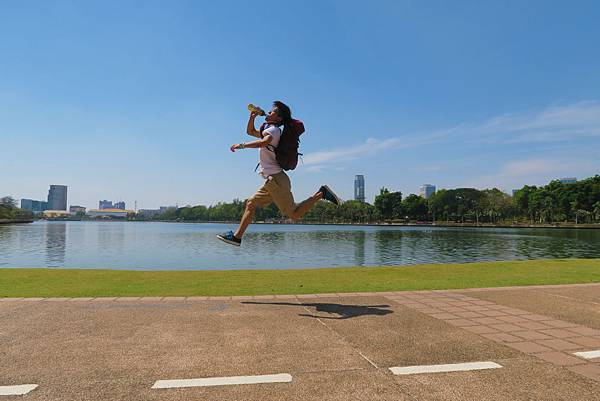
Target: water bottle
(256, 109)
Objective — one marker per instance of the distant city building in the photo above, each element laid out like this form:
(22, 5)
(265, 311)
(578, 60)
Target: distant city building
(148, 213)
(105, 204)
(57, 197)
(426, 190)
(359, 188)
(568, 180)
(76, 209)
(108, 213)
(34, 205)
(54, 214)
(119, 205)
(27, 204)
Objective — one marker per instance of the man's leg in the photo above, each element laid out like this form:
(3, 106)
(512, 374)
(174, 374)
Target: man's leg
(280, 189)
(247, 218)
(260, 198)
(305, 206)
(323, 193)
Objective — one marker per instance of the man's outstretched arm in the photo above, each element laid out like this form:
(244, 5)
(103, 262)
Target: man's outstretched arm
(261, 143)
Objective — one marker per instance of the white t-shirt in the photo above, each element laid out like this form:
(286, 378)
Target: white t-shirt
(268, 161)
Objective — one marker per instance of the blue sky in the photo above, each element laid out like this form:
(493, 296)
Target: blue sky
(141, 100)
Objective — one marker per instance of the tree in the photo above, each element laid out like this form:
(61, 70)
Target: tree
(169, 214)
(389, 204)
(521, 200)
(8, 202)
(355, 211)
(269, 212)
(439, 204)
(7, 205)
(596, 211)
(583, 213)
(9, 209)
(493, 205)
(415, 207)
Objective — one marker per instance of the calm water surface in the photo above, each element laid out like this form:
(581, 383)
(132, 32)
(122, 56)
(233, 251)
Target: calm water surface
(182, 246)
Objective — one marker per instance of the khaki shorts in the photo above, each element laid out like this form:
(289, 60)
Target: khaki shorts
(277, 189)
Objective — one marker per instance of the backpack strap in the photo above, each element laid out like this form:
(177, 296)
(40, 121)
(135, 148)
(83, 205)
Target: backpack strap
(269, 147)
(261, 129)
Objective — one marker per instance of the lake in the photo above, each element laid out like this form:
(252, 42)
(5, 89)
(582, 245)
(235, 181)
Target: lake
(185, 246)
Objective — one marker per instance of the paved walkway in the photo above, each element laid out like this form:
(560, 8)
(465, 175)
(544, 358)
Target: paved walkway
(517, 343)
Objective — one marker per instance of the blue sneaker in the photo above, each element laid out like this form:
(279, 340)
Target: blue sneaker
(230, 238)
(329, 195)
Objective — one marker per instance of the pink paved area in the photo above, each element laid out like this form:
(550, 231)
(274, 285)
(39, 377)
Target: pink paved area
(335, 346)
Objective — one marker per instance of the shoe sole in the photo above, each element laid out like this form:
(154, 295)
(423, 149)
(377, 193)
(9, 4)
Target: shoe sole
(338, 201)
(228, 241)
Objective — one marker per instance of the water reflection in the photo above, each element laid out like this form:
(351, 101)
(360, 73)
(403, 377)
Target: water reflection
(111, 237)
(359, 248)
(56, 243)
(153, 246)
(388, 246)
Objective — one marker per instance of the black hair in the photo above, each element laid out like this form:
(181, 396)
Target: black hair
(283, 111)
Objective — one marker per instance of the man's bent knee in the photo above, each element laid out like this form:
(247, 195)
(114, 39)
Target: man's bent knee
(251, 205)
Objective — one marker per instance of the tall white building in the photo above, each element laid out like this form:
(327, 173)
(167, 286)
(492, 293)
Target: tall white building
(57, 197)
(426, 190)
(359, 188)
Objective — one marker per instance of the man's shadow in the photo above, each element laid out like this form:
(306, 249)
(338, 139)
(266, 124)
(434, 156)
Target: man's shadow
(344, 311)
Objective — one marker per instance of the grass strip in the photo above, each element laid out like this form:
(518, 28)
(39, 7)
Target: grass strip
(22, 282)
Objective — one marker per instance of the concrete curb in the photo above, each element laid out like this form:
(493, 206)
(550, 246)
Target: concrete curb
(292, 296)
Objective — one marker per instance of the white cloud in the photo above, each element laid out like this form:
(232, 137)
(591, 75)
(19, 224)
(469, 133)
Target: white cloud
(538, 171)
(553, 124)
(530, 167)
(370, 147)
(556, 123)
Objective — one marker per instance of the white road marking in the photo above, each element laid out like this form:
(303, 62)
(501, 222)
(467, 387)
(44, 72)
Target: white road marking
(223, 381)
(588, 354)
(17, 390)
(453, 367)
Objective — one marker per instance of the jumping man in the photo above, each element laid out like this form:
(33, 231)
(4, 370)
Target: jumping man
(277, 187)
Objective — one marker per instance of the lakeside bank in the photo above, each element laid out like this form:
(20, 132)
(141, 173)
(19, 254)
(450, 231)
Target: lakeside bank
(371, 224)
(442, 224)
(15, 221)
(21, 282)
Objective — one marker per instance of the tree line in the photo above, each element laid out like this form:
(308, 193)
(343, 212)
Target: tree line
(10, 211)
(577, 202)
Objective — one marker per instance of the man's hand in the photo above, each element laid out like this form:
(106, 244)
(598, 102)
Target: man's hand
(236, 146)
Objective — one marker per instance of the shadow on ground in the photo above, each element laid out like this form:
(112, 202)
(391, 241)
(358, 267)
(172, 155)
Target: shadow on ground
(343, 311)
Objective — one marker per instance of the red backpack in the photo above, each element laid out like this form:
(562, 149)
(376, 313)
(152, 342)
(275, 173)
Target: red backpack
(286, 151)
